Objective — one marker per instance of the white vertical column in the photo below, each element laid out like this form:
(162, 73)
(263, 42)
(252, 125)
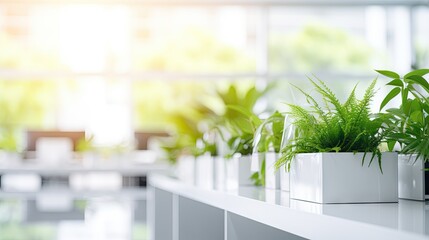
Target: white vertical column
(402, 58)
(376, 28)
(262, 54)
(262, 33)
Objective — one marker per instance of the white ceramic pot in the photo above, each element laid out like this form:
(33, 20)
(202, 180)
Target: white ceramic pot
(341, 178)
(186, 169)
(204, 171)
(219, 172)
(284, 179)
(239, 170)
(9, 158)
(272, 176)
(411, 177)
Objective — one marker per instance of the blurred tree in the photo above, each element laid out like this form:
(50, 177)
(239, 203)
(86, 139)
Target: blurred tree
(24, 103)
(318, 47)
(192, 50)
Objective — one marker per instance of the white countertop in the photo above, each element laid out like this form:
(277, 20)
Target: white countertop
(130, 169)
(137, 193)
(403, 220)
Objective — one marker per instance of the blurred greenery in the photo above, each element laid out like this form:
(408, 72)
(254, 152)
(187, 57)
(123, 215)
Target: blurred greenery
(85, 144)
(20, 55)
(23, 104)
(182, 107)
(157, 104)
(192, 50)
(154, 102)
(187, 130)
(319, 47)
(422, 55)
(140, 231)
(19, 231)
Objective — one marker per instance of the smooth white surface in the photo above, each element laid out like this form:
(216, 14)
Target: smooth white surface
(67, 169)
(341, 178)
(219, 173)
(403, 220)
(24, 182)
(52, 202)
(272, 176)
(137, 193)
(238, 171)
(204, 174)
(186, 169)
(411, 177)
(54, 150)
(284, 179)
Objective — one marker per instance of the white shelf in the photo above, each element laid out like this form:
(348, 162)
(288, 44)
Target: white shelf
(135, 193)
(128, 169)
(273, 208)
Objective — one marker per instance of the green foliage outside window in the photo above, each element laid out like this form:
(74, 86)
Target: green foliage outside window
(192, 50)
(23, 103)
(319, 47)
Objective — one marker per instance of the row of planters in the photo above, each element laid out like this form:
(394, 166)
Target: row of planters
(326, 151)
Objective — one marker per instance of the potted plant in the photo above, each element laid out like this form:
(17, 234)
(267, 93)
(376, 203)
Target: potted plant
(188, 129)
(205, 161)
(331, 157)
(237, 124)
(268, 139)
(410, 124)
(8, 147)
(246, 167)
(86, 149)
(183, 148)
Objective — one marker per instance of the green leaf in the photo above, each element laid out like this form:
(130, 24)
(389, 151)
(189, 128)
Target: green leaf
(396, 82)
(247, 113)
(415, 106)
(418, 72)
(416, 116)
(404, 96)
(393, 93)
(389, 74)
(250, 98)
(420, 81)
(391, 145)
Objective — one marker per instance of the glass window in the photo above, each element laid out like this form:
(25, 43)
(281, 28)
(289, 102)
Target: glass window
(123, 65)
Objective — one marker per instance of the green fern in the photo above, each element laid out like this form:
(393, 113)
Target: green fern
(335, 127)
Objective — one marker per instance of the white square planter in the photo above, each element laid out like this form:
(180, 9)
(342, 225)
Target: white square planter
(284, 179)
(10, 158)
(219, 171)
(272, 176)
(186, 169)
(239, 171)
(204, 171)
(411, 177)
(341, 178)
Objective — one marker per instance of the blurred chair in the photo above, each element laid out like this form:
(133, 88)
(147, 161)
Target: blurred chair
(142, 138)
(33, 136)
(145, 149)
(52, 147)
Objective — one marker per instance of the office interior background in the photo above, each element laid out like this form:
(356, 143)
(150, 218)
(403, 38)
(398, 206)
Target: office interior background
(113, 68)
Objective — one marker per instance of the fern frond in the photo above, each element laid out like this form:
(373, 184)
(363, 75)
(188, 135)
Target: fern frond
(315, 105)
(329, 96)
